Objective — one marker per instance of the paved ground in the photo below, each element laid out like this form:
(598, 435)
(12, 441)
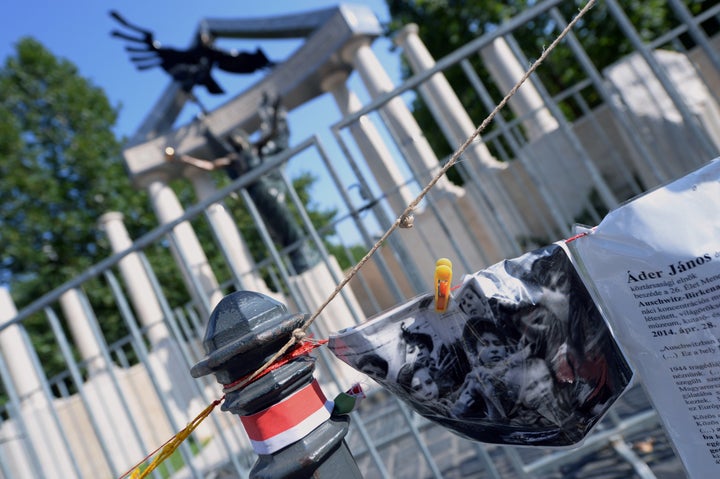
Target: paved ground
(457, 458)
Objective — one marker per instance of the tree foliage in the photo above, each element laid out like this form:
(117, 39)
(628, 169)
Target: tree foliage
(61, 168)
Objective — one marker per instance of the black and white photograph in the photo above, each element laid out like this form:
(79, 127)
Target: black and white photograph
(521, 356)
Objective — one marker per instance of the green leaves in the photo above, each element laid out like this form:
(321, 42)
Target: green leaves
(59, 155)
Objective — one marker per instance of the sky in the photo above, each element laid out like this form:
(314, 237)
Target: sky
(79, 31)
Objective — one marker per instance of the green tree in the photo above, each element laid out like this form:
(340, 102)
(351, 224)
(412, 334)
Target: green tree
(62, 169)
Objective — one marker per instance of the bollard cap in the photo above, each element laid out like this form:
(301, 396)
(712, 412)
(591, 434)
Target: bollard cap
(247, 324)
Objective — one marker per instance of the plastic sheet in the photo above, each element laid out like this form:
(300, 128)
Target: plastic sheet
(521, 356)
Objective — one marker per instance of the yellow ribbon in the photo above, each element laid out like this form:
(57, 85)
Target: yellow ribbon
(170, 446)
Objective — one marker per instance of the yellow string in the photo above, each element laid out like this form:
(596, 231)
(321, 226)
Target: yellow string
(171, 445)
(403, 221)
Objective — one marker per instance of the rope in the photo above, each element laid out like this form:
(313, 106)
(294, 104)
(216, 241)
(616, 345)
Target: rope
(405, 220)
(304, 347)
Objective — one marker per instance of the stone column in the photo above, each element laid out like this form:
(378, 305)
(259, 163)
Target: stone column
(552, 143)
(186, 247)
(371, 145)
(402, 124)
(442, 100)
(471, 219)
(79, 322)
(145, 302)
(527, 103)
(13, 347)
(108, 412)
(38, 438)
(176, 386)
(237, 253)
(457, 127)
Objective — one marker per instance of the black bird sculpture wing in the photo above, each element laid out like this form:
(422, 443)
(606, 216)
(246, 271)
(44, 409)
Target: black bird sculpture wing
(189, 67)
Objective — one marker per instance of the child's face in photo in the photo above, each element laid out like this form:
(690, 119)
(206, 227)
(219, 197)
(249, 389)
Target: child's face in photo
(538, 384)
(373, 370)
(535, 322)
(556, 294)
(559, 281)
(416, 352)
(471, 303)
(491, 349)
(423, 386)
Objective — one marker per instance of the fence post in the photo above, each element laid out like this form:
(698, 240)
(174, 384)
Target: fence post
(284, 412)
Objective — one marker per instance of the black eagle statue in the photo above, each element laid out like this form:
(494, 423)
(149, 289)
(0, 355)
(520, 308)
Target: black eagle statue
(189, 67)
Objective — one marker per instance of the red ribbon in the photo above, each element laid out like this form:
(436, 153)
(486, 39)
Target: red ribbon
(288, 421)
(298, 350)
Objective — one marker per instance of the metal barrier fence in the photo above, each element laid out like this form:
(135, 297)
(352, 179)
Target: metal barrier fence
(533, 176)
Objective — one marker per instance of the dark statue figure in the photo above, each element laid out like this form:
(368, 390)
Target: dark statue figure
(192, 66)
(237, 155)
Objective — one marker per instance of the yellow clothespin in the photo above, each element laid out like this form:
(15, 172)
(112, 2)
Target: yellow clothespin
(442, 281)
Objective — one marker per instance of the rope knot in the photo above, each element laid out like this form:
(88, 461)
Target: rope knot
(299, 335)
(406, 221)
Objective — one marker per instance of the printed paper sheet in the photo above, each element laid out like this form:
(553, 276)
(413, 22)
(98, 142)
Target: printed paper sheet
(655, 264)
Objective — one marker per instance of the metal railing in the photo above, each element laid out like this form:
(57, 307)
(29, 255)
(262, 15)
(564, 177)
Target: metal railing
(121, 400)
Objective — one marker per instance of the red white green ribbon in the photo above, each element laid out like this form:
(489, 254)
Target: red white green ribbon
(288, 421)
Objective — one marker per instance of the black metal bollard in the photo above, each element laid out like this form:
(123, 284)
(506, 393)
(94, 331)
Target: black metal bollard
(284, 412)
